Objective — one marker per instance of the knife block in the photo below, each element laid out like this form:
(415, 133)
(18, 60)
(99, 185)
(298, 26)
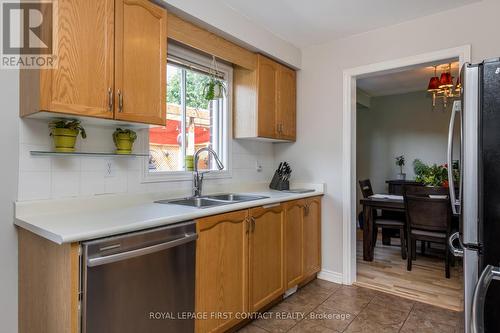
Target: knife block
(278, 183)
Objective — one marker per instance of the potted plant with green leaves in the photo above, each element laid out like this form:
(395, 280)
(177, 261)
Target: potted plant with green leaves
(433, 175)
(65, 133)
(400, 162)
(124, 140)
(215, 87)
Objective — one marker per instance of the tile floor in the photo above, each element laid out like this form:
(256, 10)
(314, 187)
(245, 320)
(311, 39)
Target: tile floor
(325, 307)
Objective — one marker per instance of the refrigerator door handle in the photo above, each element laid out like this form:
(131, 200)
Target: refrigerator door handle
(457, 252)
(489, 274)
(457, 106)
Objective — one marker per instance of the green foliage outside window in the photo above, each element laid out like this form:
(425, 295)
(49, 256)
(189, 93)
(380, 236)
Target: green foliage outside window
(195, 83)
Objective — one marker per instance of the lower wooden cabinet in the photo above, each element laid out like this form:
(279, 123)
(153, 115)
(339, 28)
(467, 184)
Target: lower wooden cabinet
(48, 285)
(312, 236)
(266, 255)
(294, 242)
(247, 259)
(221, 270)
(302, 240)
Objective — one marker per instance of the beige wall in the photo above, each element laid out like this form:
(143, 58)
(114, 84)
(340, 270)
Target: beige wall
(399, 125)
(222, 19)
(317, 154)
(9, 143)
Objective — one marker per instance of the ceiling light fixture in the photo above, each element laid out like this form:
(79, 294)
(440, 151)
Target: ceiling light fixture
(443, 87)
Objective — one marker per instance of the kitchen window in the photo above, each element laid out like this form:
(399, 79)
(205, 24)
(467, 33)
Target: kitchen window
(192, 122)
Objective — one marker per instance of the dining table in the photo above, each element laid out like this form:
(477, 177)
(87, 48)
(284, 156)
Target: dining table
(370, 205)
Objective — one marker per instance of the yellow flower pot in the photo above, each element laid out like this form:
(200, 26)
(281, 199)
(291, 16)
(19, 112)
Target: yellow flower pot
(124, 143)
(64, 139)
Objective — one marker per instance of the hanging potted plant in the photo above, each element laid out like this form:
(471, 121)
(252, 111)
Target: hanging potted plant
(64, 134)
(400, 162)
(215, 88)
(124, 140)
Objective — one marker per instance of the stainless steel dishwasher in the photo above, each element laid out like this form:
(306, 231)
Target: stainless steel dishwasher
(141, 282)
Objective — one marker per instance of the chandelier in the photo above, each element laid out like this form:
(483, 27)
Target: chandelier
(442, 87)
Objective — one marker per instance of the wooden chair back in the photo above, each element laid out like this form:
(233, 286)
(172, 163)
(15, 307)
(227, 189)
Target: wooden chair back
(419, 190)
(366, 188)
(428, 214)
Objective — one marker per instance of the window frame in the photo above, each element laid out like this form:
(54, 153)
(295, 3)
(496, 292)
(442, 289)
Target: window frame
(227, 128)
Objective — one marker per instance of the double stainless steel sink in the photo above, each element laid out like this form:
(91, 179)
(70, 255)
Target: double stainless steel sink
(212, 200)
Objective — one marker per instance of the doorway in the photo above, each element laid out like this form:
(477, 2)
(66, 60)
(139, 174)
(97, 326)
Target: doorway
(350, 184)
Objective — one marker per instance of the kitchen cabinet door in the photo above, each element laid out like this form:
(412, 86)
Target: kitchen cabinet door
(267, 96)
(82, 83)
(221, 269)
(266, 259)
(294, 263)
(287, 104)
(312, 236)
(141, 60)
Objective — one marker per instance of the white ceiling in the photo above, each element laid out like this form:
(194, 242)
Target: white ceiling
(403, 80)
(305, 23)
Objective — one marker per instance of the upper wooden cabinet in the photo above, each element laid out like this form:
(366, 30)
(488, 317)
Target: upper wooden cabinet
(265, 101)
(141, 60)
(111, 63)
(287, 105)
(266, 261)
(221, 269)
(267, 93)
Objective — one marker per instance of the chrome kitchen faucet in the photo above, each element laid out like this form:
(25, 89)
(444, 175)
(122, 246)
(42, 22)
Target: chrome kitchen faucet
(198, 176)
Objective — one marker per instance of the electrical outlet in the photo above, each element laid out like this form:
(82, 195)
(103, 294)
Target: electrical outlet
(109, 170)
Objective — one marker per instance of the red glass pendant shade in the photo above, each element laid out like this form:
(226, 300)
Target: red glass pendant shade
(433, 84)
(446, 80)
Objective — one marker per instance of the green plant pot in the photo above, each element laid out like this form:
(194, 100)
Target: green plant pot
(123, 144)
(189, 160)
(64, 139)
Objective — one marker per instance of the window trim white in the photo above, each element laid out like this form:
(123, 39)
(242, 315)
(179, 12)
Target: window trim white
(172, 176)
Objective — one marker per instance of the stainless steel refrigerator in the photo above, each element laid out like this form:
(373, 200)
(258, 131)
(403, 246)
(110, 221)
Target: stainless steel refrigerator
(478, 199)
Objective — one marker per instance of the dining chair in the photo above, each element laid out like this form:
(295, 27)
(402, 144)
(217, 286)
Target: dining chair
(426, 191)
(428, 220)
(384, 221)
(366, 188)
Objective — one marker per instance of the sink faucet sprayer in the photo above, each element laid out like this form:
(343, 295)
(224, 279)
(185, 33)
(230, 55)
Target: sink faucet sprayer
(198, 176)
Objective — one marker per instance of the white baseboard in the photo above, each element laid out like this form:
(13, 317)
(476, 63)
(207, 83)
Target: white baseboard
(330, 276)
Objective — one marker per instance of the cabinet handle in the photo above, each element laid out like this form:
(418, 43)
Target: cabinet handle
(278, 128)
(252, 223)
(247, 225)
(120, 101)
(110, 100)
(306, 209)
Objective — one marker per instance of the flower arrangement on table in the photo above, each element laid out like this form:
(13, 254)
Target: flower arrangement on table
(434, 175)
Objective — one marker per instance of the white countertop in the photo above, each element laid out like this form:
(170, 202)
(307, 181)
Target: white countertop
(74, 220)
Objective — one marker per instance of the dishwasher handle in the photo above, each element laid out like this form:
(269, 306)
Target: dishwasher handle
(97, 261)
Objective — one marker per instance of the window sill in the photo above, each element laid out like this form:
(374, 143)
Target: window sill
(182, 176)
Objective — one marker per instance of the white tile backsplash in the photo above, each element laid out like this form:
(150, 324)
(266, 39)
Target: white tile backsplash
(58, 177)
(91, 183)
(35, 132)
(65, 184)
(65, 164)
(33, 163)
(34, 185)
